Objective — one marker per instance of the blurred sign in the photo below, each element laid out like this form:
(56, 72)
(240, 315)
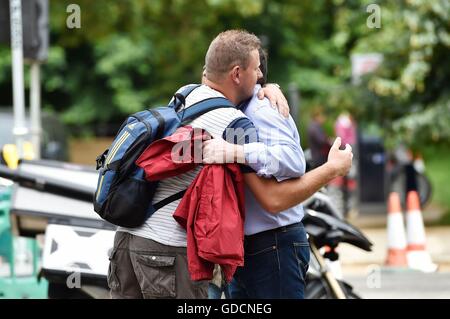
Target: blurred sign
(363, 63)
(34, 25)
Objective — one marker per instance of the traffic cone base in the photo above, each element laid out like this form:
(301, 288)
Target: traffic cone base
(421, 260)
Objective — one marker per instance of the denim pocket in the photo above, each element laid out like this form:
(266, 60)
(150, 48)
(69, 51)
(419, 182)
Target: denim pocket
(261, 251)
(302, 253)
(261, 266)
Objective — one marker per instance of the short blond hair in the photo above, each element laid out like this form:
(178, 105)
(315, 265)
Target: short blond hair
(228, 49)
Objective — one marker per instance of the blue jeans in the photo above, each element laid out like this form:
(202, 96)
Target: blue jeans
(215, 292)
(275, 265)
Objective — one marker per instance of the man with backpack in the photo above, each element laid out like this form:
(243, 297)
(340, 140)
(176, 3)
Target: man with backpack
(150, 261)
(276, 247)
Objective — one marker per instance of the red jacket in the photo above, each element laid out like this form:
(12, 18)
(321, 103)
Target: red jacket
(212, 209)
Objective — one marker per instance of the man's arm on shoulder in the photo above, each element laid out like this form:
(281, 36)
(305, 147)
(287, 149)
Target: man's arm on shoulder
(283, 158)
(277, 100)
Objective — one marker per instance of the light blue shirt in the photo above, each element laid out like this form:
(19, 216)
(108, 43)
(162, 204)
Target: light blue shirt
(279, 154)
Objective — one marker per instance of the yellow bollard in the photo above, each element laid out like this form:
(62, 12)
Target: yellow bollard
(11, 156)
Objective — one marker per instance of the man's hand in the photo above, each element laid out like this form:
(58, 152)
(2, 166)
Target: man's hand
(219, 151)
(276, 98)
(340, 160)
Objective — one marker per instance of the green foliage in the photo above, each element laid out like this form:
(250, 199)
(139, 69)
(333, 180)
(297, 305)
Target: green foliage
(433, 121)
(437, 159)
(408, 96)
(129, 55)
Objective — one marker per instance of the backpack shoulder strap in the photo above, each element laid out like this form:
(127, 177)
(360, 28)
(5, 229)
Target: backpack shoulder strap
(169, 199)
(203, 107)
(179, 98)
(192, 112)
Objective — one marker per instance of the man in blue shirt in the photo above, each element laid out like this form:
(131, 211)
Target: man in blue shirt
(276, 245)
(270, 272)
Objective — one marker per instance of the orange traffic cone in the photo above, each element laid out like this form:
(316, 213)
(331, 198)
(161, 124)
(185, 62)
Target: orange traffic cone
(396, 233)
(418, 257)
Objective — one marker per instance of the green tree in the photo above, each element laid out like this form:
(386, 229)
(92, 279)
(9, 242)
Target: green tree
(129, 55)
(409, 94)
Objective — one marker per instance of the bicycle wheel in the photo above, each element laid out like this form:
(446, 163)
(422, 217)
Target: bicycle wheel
(424, 188)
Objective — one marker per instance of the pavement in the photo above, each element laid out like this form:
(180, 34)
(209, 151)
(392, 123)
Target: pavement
(371, 278)
(401, 285)
(373, 225)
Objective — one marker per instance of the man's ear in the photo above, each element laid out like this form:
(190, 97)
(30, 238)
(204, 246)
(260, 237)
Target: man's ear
(235, 75)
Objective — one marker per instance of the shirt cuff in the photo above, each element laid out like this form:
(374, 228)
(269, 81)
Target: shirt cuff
(256, 157)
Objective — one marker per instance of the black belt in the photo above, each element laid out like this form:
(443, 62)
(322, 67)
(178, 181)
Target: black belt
(275, 230)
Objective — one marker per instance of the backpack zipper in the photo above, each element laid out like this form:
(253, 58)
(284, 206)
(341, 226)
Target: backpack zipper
(116, 147)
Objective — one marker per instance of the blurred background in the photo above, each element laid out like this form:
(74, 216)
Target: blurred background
(382, 66)
(128, 55)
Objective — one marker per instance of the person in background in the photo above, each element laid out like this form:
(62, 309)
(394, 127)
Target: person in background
(318, 139)
(345, 127)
